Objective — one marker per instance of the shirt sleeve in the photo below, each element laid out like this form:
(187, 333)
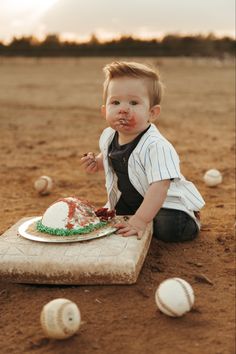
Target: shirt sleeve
(161, 162)
(105, 137)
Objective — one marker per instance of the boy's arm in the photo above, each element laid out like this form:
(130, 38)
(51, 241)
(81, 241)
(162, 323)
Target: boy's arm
(92, 163)
(152, 202)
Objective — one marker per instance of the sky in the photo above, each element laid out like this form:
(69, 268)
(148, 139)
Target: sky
(78, 19)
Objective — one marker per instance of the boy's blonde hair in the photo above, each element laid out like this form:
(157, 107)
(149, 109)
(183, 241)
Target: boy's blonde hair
(138, 71)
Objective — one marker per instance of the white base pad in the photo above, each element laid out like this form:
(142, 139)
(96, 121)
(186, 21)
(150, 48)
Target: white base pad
(108, 260)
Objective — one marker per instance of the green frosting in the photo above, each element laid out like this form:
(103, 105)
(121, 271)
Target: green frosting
(60, 232)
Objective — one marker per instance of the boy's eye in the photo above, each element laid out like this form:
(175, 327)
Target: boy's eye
(115, 102)
(133, 103)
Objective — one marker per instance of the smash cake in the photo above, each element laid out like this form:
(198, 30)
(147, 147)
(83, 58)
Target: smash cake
(72, 216)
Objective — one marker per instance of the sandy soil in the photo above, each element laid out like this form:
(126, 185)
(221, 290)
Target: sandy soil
(49, 116)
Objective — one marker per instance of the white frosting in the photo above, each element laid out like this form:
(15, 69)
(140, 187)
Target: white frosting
(57, 215)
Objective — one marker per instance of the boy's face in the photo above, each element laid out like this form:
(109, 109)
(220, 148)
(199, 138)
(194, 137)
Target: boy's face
(127, 108)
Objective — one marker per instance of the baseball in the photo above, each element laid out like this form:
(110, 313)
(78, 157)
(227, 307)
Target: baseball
(43, 185)
(212, 178)
(174, 297)
(60, 319)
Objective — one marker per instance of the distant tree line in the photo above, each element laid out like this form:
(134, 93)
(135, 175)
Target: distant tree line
(171, 45)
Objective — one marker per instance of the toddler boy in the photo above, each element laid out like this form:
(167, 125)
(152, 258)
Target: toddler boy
(142, 171)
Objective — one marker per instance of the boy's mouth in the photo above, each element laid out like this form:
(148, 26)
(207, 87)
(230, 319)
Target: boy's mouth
(124, 121)
(128, 122)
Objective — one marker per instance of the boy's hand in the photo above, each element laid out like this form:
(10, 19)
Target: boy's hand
(89, 162)
(134, 226)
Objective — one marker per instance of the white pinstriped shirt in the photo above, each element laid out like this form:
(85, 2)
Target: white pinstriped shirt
(153, 159)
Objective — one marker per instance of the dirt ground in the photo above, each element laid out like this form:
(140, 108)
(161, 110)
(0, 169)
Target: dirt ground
(49, 116)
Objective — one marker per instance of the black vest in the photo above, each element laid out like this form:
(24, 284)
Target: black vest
(130, 198)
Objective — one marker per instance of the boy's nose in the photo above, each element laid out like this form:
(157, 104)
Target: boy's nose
(124, 110)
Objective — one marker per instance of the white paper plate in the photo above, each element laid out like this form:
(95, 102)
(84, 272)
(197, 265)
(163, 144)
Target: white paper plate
(24, 232)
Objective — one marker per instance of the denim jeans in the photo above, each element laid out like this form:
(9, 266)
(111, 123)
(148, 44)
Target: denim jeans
(171, 225)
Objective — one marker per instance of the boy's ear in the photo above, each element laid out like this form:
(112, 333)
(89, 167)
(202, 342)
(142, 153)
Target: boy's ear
(103, 110)
(155, 112)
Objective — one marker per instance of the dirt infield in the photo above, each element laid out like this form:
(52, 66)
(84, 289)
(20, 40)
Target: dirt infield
(50, 116)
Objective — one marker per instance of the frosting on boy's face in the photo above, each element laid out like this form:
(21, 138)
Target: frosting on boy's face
(127, 108)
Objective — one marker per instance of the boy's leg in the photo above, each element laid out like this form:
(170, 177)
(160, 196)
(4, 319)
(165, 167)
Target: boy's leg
(171, 225)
